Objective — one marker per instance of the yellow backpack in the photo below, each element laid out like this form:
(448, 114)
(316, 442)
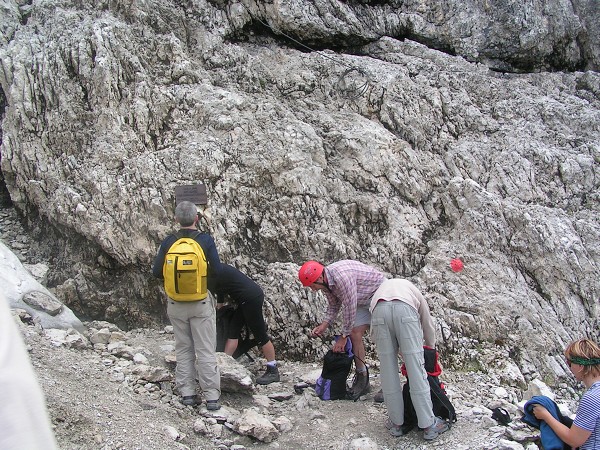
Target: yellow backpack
(185, 271)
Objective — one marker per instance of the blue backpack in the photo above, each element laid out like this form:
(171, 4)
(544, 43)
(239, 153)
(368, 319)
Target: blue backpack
(331, 385)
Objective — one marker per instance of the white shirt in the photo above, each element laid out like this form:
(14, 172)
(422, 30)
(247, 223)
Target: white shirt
(405, 291)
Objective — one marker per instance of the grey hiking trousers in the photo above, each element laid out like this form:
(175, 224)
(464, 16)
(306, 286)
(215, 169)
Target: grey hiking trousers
(395, 327)
(195, 328)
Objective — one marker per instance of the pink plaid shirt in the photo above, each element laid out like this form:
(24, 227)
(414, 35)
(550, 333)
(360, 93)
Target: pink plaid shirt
(351, 284)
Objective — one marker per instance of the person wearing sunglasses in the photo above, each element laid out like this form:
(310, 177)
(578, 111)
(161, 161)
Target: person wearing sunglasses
(583, 358)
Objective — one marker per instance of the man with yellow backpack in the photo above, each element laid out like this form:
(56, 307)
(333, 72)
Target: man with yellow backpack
(184, 261)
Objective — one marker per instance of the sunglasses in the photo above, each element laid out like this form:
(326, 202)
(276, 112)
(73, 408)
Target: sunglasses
(569, 363)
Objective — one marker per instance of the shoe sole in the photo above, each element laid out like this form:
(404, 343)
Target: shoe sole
(263, 382)
(432, 437)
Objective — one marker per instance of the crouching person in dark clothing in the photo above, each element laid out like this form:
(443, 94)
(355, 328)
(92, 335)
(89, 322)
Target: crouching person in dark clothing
(249, 297)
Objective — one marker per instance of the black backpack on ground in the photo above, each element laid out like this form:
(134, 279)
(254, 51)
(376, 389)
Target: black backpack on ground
(245, 342)
(442, 407)
(331, 385)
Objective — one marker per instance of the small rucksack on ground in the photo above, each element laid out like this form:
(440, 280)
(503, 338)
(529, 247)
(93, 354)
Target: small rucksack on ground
(442, 407)
(185, 270)
(331, 385)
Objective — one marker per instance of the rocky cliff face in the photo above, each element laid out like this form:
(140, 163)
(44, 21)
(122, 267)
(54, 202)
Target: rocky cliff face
(401, 134)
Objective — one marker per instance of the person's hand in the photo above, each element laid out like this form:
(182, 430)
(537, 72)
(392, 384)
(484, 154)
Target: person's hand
(540, 412)
(319, 330)
(340, 345)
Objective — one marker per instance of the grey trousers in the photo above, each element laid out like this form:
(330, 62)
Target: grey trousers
(395, 327)
(194, 325)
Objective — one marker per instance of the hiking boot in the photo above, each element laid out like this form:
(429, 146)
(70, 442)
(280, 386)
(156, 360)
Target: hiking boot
(189, 400)
(271, 375)
(378, 398)
(360, 385)
(395, 430)
(438, 427)
(213, 405)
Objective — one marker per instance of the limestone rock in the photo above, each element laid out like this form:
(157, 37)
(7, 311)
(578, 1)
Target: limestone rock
(234, 376)
(402, 134)
(363, 443)
(23, 291)
(251, 423)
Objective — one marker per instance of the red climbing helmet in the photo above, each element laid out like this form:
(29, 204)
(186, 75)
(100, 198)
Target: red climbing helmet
(309, 272)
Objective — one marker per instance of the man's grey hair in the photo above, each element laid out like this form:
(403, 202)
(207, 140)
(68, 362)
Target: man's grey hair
(185, 213)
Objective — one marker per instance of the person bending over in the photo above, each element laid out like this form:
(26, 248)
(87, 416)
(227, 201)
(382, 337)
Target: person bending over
(350, 284)
(249, 298)
(401, 322)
